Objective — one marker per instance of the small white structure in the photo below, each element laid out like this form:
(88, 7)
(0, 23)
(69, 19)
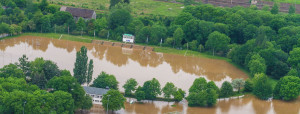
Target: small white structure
(128, 38)
(95, 93)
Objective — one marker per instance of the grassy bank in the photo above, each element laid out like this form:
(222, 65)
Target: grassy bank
(285, 1)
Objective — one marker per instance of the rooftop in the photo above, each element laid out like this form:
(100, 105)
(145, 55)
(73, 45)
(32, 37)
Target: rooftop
(128, 34)
(94, 90)
(77, 12)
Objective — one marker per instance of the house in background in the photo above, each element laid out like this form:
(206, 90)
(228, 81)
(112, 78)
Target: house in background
(77, 12)
(95, 93)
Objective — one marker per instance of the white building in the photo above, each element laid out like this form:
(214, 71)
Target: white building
(95, 93)
(128, 38)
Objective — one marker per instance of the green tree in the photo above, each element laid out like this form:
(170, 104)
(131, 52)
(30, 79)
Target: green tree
(199, 84)
(151, 89)
(114, 100)
(178, 37)
(101, 24)
(197, 99)
(118, 17)
(65, 73)
(135, 26)
(70, 85)
(87, 103)
(212, 85)
(64, 103)
(43, 5)
(130, 86)
(90, 72)
(179, 95)
(81, 25)
(140, 94)
(188, 2)
(105, 80)
(226, 89)
(80, 69)
(292, 9)
(46, 24)
(169, 90)
(288, 88)
(127, 1)
(217, 42)
(257, 65)
(275, 8)
(262, 87)
(24, 64)
(212, 96)
(238, 84)
(294, 58)
(11, 70)
(50, 69)
(114, 2)
(248, 86)
(158, 33)
(182, 18)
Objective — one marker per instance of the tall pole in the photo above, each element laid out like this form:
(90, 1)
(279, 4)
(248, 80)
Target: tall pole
(24, 107)
(107, 105)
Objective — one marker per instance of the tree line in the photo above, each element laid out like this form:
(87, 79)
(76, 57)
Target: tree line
(39, 86)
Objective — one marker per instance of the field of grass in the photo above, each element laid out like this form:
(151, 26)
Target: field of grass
(285, 1)
(138, 6)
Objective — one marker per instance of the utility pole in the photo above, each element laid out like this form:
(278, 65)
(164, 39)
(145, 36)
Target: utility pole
(107, 105)
(24, 107)
(81, 31)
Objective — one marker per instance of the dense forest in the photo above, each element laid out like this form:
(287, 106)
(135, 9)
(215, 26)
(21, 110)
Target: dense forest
(265, 42)
(246, 35)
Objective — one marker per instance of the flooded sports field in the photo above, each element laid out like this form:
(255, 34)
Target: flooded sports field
(142, 65)
(124, 63)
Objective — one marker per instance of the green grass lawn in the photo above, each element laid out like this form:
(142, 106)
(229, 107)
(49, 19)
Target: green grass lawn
(138, 6)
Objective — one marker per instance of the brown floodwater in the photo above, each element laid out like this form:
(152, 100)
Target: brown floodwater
(142, 65)
(246, 105)
(124, 63)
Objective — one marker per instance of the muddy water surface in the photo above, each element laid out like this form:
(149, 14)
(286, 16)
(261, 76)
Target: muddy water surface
(124, 63)
(142, 65)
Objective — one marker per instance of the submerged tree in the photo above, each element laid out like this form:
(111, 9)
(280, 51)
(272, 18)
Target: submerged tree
(130, 86)
(226, 89)
(169, 90)
(90, 72)
(262, 87)
(238, 84)
(288, 88)
(151, 89)
(80, 69)
(113, 100)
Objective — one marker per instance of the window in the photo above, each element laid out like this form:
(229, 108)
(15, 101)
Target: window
(97, 101)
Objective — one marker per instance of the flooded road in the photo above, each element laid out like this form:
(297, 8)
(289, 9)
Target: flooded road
(247, 105)
(142, 65)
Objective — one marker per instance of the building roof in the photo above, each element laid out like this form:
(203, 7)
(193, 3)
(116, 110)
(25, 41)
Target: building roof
(77, 12)
(94, 90)
(128, 34)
